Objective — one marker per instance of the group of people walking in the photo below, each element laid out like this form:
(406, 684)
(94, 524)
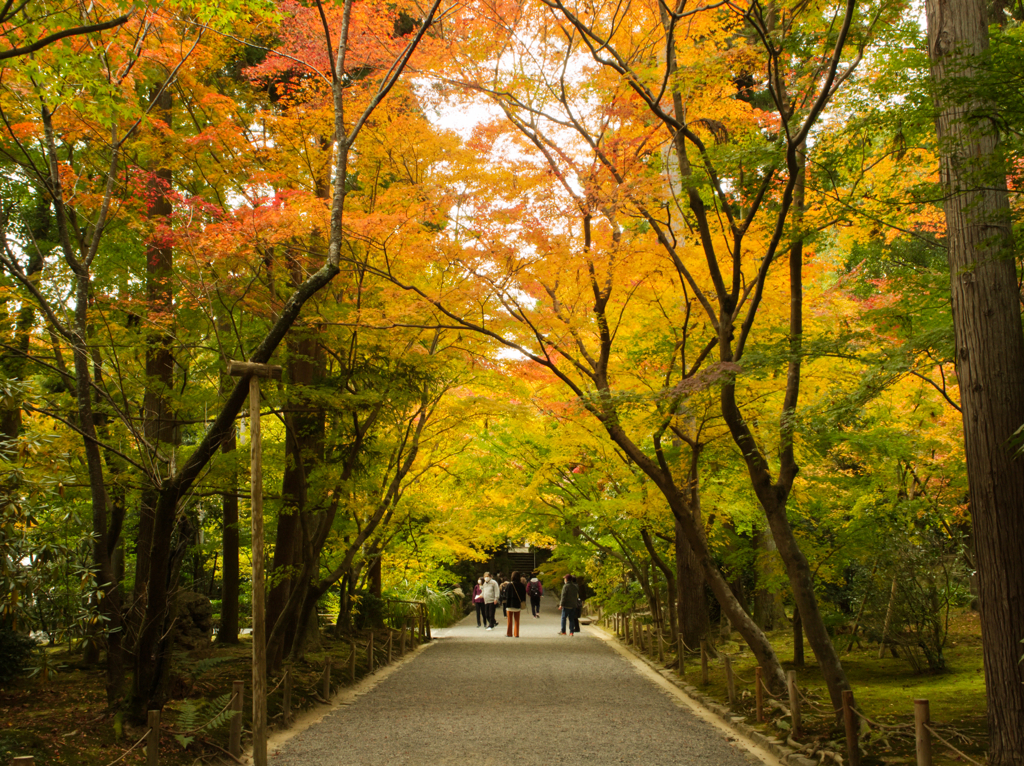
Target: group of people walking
(513, 594)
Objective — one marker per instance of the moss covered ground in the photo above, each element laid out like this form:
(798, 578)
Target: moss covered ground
(66, 720)
(884, 690)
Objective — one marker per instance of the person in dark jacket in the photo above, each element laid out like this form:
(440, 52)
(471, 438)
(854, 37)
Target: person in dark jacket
(515, 597)
(534, 589)
(568, 603)
(478, 602)
(581, 594)
(503, 589)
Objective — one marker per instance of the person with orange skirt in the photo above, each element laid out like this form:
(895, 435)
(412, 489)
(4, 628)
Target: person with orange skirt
(515, 597)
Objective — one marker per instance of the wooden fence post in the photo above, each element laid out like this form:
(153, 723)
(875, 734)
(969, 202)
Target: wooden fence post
(681, 652)
(794, 701)
(153, 739)
(730, 680)
(704, 678)
(402, 643)
(922, 718)
(391, 640)
(352, 663)
(758, 695)
(661, 650)
(852, 729)
(286, 696)
(235, 735)
(327, 681)
(369, 654)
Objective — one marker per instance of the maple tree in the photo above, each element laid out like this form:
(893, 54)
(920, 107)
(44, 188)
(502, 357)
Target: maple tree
(668, 300)
(611, 183)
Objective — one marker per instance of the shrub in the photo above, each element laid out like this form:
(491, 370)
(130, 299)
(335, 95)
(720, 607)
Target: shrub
(15, 652)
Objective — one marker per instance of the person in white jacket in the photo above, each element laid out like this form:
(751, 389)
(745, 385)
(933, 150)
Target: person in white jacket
(491, 595)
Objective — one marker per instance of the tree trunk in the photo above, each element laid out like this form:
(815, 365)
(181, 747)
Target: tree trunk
(228, 632)
(798, 639)
(989, 359)
(670, 581)
(158, 422)
(767, 607)
(14, 359)
(147, 684)
(682, 510)
(692, 607)
(773, 493)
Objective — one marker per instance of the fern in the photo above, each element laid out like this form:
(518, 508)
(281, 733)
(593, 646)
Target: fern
(202, 666)
(196, 668)
(188, 715)
(191, 712)
(222, 717)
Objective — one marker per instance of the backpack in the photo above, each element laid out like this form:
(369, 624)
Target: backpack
(533, 588)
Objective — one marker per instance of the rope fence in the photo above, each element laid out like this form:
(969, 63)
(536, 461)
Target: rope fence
(416, 625)
(648, 639)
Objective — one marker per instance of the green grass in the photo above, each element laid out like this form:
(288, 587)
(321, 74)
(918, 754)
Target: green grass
(884, 689)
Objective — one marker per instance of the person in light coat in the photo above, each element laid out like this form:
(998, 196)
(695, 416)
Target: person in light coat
(491, 595)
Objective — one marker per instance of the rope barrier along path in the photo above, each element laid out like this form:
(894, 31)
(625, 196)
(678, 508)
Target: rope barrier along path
(887, 727)
(121, 757)
(276, 687)
(951, 746)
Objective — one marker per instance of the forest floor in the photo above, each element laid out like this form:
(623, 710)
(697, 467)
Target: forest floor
(884, 691)
(66, 720)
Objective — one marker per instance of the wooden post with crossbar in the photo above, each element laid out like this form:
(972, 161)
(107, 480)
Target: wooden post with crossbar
(254, 371)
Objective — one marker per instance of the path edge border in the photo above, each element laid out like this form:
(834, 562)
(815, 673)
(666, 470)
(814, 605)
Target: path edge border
(344, 697)
(756, 739)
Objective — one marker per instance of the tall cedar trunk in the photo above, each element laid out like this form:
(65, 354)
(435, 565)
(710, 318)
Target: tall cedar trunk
(767, 607)
(106, 526)
(692, 607)
(15, 357)
(305, 431)
(228, 632)
(798, 639)
(103, 544)
(158, 423)
(373, 574)
(148, 691)
(990, 360)
(304, 434)
(670, 580)
(304, 445)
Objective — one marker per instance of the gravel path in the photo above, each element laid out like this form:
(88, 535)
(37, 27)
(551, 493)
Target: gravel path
(478, 697)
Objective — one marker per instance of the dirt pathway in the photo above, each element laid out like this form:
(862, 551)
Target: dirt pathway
(478, 697)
